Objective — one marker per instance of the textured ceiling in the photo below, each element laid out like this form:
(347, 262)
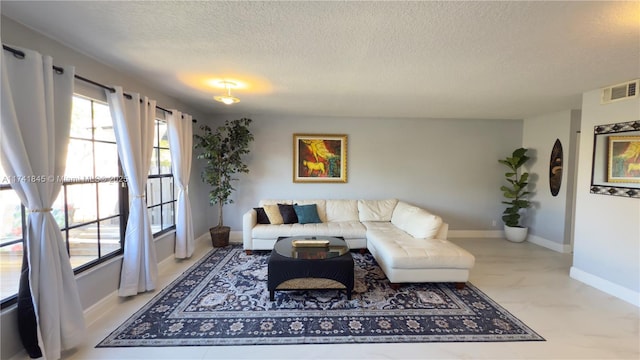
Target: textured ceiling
(506, 60)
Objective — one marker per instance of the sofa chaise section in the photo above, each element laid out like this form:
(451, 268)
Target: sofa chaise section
(405, 259)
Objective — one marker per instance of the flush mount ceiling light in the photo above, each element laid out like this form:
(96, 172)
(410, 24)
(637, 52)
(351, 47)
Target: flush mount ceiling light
(227, 99)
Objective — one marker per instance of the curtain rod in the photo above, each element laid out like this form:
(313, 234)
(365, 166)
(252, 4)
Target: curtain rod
(20, 55)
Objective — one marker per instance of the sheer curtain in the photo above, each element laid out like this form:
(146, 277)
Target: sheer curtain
(133, 122)
(34, 135)
(181, 144)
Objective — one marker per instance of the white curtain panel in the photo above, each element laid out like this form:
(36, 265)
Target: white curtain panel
(181, 145)
(34, 135)
(133, 123)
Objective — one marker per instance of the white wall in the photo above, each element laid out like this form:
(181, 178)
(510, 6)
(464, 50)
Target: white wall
(607, 231)
(101, 282)
(549, 218)
(447, 166)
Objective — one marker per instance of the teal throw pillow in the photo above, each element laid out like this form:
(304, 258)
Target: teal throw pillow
(307, 214)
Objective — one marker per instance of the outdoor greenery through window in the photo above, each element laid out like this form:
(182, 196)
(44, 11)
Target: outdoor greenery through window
(92, 207)
(161, 192)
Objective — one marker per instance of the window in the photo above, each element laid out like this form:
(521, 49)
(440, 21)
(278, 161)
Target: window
(161, 199)
(92, 207)
(12, 226)
(88, 208)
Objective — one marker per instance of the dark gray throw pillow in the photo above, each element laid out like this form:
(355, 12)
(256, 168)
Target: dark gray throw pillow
(262, 216)
(288, 214)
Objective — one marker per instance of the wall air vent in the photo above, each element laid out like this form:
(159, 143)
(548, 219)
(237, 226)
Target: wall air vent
(622, 91)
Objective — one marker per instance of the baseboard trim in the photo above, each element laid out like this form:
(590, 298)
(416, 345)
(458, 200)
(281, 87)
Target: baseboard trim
(561, 248)
(484, 234)
(606, 286)
(104, 305)
(235, 237)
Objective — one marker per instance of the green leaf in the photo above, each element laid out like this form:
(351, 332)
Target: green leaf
(511, 219)
(518, 153)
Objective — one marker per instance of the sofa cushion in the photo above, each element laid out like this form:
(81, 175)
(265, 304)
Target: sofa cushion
(307, 214)
(261, 216)
(376, 210)
(342, 210)
(346, 229)
(273, 213)
(288, 214)
(401, 251)
(418, 222)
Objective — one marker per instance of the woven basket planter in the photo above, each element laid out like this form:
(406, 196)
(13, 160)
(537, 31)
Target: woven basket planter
(220, 235)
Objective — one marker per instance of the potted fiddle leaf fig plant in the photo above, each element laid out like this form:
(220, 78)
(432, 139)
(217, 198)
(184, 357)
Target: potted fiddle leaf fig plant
(223, 150)
(515, 194)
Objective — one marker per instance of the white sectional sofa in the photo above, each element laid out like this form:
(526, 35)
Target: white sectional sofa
(409, 243)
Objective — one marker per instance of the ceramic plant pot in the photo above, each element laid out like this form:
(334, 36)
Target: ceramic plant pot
(515, 234)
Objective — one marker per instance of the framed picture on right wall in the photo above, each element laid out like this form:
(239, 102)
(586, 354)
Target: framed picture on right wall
(623, 159)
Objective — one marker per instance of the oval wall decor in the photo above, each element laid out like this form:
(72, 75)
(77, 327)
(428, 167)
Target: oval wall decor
(555, 168)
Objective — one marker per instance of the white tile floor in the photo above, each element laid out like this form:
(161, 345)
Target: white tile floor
(533, 283)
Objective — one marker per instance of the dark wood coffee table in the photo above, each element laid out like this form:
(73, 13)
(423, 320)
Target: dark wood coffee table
(306, 268)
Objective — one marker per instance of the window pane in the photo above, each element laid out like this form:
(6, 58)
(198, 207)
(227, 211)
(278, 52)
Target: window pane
(83, 244)
(58, 209)
(156, 139)
(168, 215)
(156, 219)
(81, 202)
(81, 118)
(153, 170)
(153, 192)
(10, 216)
(167, 189)
(79, 159)
(106, 160)
(103, 123)
(165, 161)
(164, 135)
(2, 176)
(10, 265)
(109, 236)
(108, 200)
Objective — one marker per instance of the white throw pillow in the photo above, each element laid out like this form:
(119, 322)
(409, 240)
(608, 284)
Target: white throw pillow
(376, 210)
(417, 222)
(342, 210)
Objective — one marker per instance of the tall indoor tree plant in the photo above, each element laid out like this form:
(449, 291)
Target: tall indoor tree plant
(515, 194)
(223, 150)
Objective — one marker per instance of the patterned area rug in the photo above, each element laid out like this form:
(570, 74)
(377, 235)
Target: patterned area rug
(223, 300)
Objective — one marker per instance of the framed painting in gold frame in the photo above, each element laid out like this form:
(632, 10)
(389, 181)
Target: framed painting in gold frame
(319, 158)
(623, 159)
